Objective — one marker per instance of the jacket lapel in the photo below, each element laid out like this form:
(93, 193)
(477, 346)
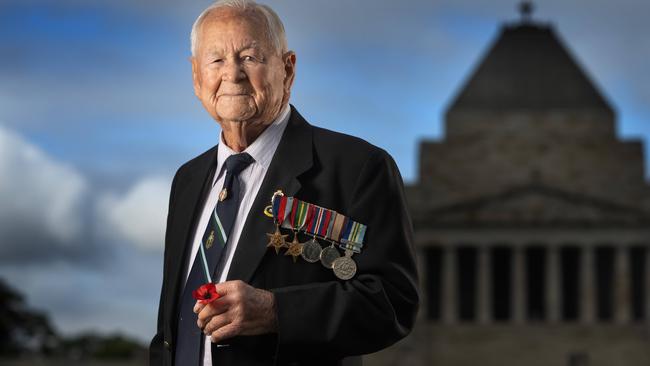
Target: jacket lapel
(292, 157)
(186, 212)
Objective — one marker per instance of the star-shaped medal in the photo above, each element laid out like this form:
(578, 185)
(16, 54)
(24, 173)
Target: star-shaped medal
(295, 248)
(277, 240)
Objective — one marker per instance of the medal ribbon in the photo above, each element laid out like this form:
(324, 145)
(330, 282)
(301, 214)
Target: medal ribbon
(287, 210)
(279, 205)
(300, 216)
(330, 225)
(316, 214)
(311, 211)
(294, 212)
(353, 236)
(339, 224)
(324, 228)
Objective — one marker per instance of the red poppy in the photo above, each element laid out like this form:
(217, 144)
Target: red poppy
(206, 293)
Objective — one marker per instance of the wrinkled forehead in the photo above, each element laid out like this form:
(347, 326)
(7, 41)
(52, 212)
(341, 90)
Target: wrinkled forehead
(250, 19)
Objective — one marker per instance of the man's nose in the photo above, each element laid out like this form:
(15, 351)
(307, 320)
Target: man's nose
(233, 72)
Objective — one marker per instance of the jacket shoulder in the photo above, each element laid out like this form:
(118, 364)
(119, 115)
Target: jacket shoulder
(342, 146)
(195, 164)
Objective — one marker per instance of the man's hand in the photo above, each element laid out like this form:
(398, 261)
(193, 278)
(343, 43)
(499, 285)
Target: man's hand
(240, 310)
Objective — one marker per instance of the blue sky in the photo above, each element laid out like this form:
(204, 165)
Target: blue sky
(97, 112)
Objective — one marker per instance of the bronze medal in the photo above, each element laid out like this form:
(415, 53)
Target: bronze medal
(295, 248)
(277, 240)
(311, 251)
(328, 256)
(344, 267)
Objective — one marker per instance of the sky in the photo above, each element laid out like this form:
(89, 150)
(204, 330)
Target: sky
(97, 112)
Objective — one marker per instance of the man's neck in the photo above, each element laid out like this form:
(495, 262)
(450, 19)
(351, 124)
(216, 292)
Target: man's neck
(239, 135)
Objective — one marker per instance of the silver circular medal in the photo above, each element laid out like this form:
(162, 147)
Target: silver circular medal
(328, 256)
(311, 251)
(344, 268)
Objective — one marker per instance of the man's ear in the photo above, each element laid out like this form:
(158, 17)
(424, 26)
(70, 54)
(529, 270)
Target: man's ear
(289, 59)
(196, 76)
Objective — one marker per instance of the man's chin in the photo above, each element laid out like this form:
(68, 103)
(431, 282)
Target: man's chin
(235, 116)
(239, 108)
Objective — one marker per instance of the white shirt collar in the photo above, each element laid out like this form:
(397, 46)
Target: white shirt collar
(262, 149)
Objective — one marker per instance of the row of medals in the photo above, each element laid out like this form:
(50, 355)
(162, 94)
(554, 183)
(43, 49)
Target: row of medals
(344, 267)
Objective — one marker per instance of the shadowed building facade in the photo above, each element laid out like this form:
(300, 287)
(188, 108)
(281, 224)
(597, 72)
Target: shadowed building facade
(530, 220)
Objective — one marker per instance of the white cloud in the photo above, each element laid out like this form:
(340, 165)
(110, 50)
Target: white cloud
(48, 210)
(39, 193)
(52, 224)
(139, 216)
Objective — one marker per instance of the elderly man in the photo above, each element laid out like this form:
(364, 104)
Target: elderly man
(297, 303)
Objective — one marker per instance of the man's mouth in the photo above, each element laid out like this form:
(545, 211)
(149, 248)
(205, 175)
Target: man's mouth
(233, 96)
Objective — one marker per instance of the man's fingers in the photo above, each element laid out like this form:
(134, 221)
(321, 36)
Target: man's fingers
(198, 307)
(210, 310)
(231, 293)
(224, 288)
(216, 322)
(230, 287)
(241, 310)
(225, 332)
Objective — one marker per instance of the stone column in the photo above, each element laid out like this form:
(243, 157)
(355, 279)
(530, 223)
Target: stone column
(587, 285)
(423, 267)
(646, 278)
(449, 287)
(553, 280)
(484, 283)
(518, 285)
(622, 284)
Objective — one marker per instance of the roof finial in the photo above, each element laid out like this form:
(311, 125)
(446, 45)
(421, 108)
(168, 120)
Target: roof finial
(526, 9)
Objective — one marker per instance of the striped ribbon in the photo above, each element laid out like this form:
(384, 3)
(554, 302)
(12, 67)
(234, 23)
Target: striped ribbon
(281, 206)
(353, 235)
(320, 222)
(299, 214)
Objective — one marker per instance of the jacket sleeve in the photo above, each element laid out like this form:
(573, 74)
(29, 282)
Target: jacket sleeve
(156, 347)
(377, 307)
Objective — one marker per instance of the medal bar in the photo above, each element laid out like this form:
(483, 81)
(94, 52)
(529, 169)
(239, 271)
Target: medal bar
(319, 223)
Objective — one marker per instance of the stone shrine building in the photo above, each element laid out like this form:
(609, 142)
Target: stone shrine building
(531, 220)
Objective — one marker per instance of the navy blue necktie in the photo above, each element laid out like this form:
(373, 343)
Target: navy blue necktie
(189, 343)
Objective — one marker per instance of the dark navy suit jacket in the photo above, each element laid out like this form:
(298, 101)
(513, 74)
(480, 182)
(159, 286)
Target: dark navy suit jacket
(321, 320)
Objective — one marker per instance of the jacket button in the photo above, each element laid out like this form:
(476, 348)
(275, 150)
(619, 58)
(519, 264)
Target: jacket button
(167, 345)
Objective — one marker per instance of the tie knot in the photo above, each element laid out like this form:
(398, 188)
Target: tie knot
(238, 162)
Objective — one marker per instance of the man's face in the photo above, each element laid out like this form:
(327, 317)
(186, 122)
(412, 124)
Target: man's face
(237, 73)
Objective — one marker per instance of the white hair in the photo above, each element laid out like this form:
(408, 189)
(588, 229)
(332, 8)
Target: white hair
(275, 28)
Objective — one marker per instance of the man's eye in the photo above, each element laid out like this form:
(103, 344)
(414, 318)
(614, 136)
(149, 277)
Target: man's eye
(249, 58)
(217, 60)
